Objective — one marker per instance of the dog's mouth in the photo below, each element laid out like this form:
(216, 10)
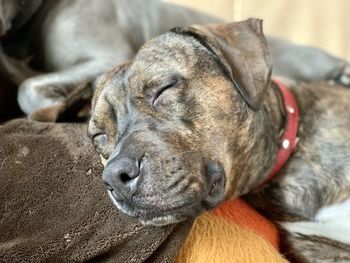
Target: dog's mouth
(121, 203)
(153, 217)
(211, 196)
(216, 182)
(216, 191)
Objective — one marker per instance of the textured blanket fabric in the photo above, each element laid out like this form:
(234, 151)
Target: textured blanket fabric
(239, 212)
(216, 240)
(54, 208)
(233, 232)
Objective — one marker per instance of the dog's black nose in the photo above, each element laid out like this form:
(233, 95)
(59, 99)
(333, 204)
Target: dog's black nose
(121, 176)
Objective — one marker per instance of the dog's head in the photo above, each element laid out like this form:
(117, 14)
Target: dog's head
(173, 121)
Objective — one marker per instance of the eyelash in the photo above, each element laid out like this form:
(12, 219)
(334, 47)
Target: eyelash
(164, 88)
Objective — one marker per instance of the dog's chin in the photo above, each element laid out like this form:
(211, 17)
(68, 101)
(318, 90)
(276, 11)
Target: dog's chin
(161, 219)
(212, 196)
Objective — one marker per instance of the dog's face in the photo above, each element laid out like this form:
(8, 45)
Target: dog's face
(172, 121)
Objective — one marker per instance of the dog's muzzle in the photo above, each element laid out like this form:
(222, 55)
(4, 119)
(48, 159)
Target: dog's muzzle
(129, 182)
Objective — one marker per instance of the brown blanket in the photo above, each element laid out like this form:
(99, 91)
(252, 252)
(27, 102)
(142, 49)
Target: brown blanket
(54, 207)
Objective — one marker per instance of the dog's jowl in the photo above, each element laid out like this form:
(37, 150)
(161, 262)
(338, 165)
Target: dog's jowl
(195, 120)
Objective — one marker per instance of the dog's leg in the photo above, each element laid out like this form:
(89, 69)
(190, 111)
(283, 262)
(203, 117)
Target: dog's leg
(15, 70)
(326, 239)
(305, 242)
(314, 249)
(51, 89)
(307, 63)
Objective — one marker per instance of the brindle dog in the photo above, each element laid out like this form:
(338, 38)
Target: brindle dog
(194, 120)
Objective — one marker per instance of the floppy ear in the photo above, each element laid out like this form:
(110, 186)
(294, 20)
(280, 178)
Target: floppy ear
(242, 51)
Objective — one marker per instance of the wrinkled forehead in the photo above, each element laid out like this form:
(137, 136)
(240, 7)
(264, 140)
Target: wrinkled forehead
(167, 54)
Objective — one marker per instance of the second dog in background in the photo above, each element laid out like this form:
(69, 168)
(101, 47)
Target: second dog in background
(73, 41)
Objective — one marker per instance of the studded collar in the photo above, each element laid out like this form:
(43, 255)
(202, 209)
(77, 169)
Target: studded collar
(289, 139)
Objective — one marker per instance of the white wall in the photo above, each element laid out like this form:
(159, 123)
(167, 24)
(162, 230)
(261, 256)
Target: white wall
(322, 23)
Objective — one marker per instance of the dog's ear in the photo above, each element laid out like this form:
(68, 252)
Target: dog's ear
(242, 51)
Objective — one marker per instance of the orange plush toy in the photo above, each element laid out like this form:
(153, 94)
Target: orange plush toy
(233, 232)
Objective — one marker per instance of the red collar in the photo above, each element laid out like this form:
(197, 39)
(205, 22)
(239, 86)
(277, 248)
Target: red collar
(289, 139)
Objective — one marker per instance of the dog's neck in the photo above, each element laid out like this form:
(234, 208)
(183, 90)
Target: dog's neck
(265, 129)
(275, 108)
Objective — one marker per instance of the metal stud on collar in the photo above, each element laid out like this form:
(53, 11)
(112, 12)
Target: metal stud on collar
(286, 144)
(290, 109)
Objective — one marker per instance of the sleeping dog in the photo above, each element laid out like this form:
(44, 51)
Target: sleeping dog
(71, 42)
(195, 119)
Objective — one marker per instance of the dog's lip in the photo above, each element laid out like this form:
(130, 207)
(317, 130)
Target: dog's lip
(179, 213)
(213, 195)
(121, 204)
(119, 198)
(215, 192)
(145, 211)
(213, 188)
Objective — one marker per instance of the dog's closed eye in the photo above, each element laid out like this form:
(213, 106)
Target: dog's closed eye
(164, 88)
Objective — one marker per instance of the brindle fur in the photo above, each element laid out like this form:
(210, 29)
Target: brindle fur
(205, 126)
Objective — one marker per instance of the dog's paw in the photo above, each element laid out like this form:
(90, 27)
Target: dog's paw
(48, 114)
(344, 78)
(33, 95)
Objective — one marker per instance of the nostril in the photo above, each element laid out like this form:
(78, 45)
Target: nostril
(122, 175)
(125, 178)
